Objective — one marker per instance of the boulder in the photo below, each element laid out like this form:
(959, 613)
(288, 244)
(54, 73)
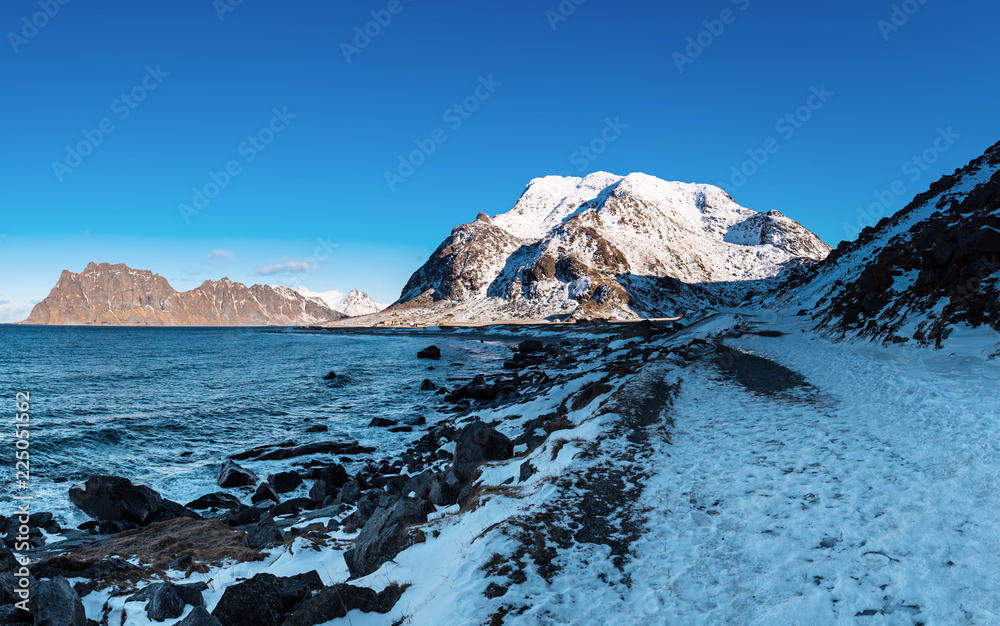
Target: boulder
(330, 376)
(262, 601)
(385, 535)
(530, 345)
(319, 428)
(283, 482)
(476, 444)
(217, 500)
(162, 601)
(264, 492)
(334, 474)
(427, 385)
(290, 507)
(350, 492)
(112, 498)
(430, 352)
(10, 615)
(335, 602)
(199, 617)
(232, 475)
(263, 534)
(54, 603)
(321, 490)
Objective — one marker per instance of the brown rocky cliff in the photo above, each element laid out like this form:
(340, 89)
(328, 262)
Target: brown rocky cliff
(117, 295)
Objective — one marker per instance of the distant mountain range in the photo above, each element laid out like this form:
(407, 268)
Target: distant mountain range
(351, 304)
(117, 295)
(606, 245)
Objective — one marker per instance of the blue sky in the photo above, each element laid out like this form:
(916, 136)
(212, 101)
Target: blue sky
(115, 114)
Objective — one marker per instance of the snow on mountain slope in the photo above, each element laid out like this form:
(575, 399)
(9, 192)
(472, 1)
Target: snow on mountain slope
(928, 271)
(351, 304)
(584, 246)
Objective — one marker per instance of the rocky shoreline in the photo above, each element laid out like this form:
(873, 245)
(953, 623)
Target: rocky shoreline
(140, 549)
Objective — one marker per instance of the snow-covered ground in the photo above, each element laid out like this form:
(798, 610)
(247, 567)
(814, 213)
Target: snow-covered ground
(687, 495)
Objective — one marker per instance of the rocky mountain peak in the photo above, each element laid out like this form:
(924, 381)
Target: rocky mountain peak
(602, 243)
(116, 294)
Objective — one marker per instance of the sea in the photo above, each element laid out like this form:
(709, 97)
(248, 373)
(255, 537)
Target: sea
(165, 406)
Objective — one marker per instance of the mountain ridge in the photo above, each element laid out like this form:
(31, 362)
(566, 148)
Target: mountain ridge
(115, 294)
(603, 246)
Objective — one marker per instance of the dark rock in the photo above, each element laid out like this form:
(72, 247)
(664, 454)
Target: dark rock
(385, 534)
(232, 475)
(264, 492)
(54, 603)
(289, 450)
(401, 429)
(290, 507)
(263, 534)
(182, 562)
(381, 422)
(243, 516)
(256, 601)
(283, 482)
(350, 493)
(319, 428)
(476, 444)
(261, 601)
(527, 471)
(217, 500)
(330, 376)
(334, 475)
(321, 490)
(112, 498)
(113, 527)
(530, 345)
(7, 560)
(162, 601)
(430, 352)
(199, 617)
(12, 616)
(427, 385)
(335, 602)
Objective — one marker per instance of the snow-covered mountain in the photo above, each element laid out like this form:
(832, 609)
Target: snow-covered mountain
(351, 304)
(927, 273)
(609, 245)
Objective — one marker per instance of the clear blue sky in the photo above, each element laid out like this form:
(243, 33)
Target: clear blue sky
(542, 85)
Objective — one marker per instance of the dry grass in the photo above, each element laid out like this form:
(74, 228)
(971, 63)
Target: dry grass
(557, 446)
(209, 542)
(589, 392)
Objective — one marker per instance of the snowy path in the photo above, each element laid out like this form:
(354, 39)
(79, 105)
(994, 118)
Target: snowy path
(874, 502)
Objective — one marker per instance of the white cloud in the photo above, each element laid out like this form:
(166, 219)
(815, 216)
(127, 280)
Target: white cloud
(14, 311)
(291, 267)
(220, 256)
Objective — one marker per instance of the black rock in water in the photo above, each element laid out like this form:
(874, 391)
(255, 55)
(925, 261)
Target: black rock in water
(330, 376)
(114, 499)
(430, 352)
(283, 482)
(232, 475)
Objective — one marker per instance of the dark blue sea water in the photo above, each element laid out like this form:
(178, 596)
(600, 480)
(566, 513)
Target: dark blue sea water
(131, 401)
